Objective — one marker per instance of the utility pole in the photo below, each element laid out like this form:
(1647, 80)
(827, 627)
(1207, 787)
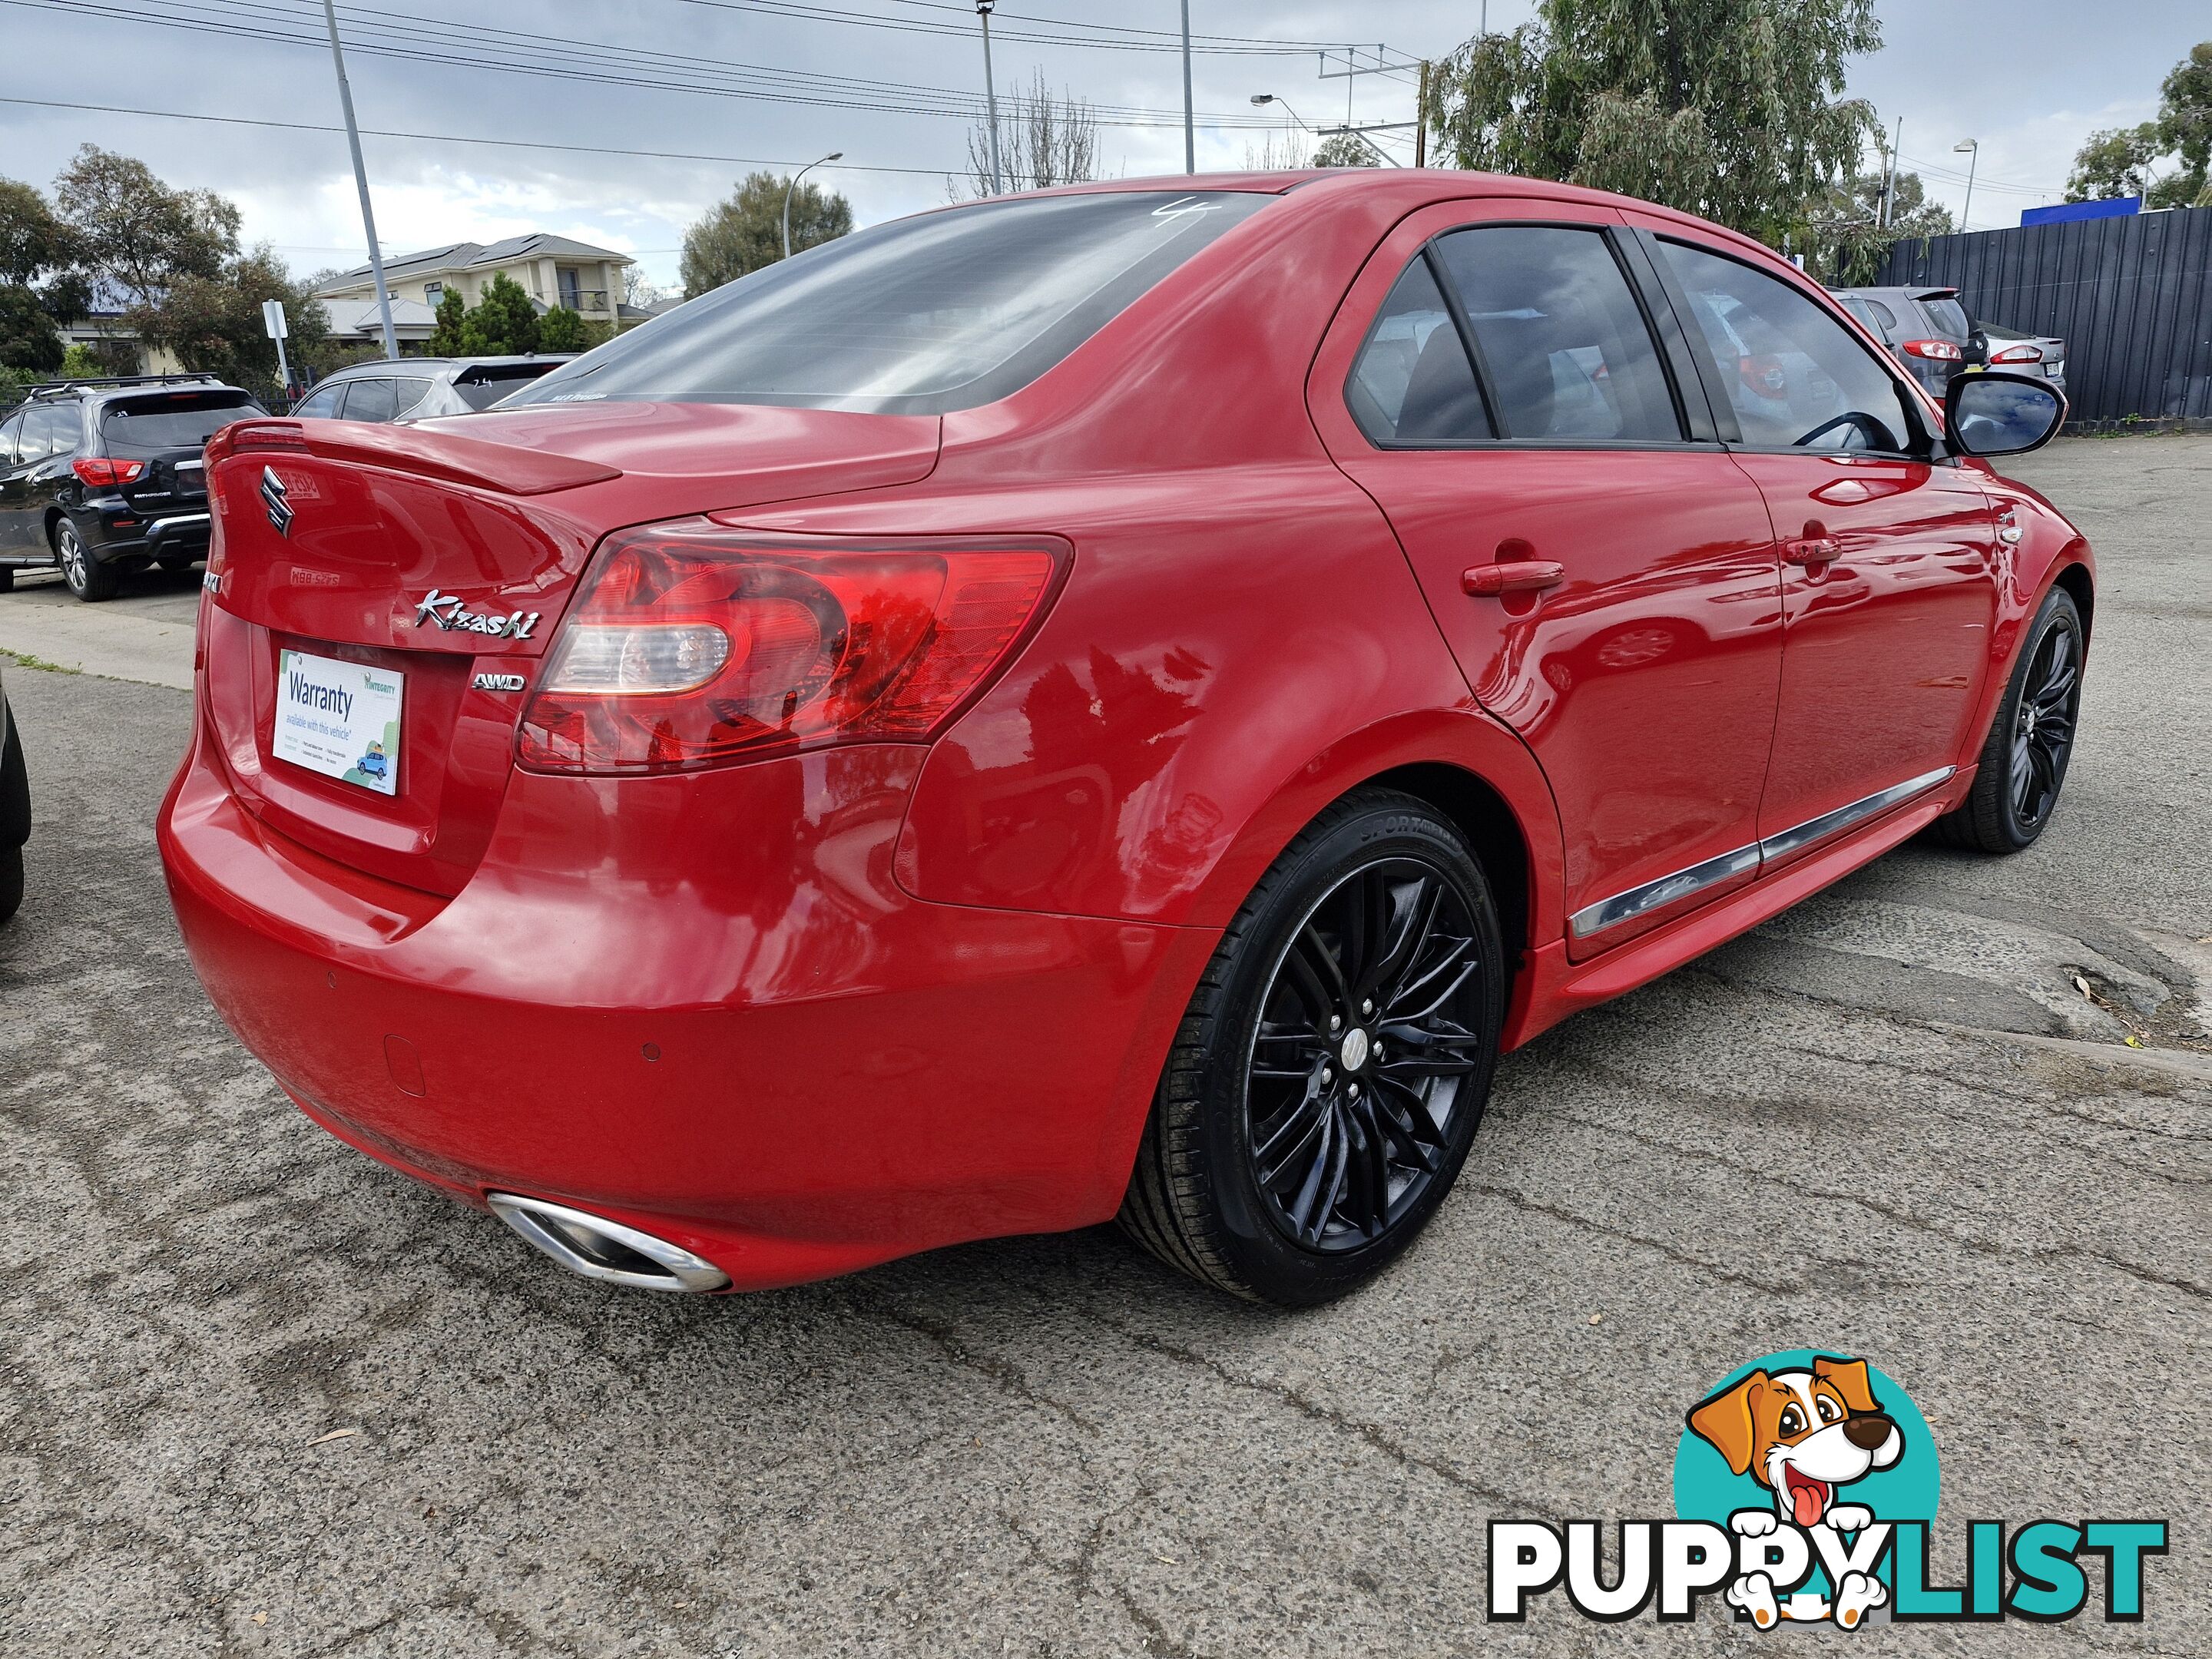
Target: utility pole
(991, 97)
(1889, 185)
(1189, 128)
(1421, 120)
(361, 181)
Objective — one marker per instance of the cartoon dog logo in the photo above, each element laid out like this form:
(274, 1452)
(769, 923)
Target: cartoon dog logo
(1802, 1435)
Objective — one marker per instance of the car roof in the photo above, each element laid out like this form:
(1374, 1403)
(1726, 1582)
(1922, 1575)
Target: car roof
(386, 365)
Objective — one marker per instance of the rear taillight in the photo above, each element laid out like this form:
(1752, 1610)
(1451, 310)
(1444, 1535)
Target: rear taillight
(2019, 353)
(691, 645)
(104, 474)
(1941, 351)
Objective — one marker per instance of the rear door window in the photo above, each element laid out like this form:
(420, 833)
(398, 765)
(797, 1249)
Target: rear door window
(373, 400)
(1796, 378)
(173, 421)
(1561, 344)
(1412, 383)
(48, 430)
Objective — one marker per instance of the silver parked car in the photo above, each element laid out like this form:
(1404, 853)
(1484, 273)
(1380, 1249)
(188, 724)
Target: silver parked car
(2025, 354)
(416, 388)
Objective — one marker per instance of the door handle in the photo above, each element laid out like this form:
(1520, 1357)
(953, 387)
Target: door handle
(1812, 550)
(1512, 576)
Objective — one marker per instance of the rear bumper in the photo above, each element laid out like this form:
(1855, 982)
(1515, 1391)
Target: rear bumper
(699, 1007)
(170, 536)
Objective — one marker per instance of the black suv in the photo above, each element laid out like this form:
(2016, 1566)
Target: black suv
(102, 475)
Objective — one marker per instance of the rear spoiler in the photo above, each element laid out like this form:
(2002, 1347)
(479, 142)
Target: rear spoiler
(1933, 292)
(440, 455)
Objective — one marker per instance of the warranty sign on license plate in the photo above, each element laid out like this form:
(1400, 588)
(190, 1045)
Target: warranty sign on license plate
(341, 719)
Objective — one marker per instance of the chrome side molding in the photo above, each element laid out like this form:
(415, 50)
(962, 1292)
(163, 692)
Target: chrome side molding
(1627, 907)
(1830, 824)
(1637, 900)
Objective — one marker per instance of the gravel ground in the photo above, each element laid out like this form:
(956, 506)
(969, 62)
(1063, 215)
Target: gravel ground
(259, 1395)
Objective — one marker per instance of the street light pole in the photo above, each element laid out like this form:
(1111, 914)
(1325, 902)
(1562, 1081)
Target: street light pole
(1972, 148)
(791, 184)
(1189, 128)
(991, 97)
(361, 181)
(1261, 99)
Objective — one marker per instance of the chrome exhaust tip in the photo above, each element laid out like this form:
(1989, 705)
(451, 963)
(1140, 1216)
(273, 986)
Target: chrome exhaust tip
(599, 1249)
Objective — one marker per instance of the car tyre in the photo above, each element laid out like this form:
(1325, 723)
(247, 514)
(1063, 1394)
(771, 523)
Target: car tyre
(1288, 1160)
(88, 579)
(2024, 758)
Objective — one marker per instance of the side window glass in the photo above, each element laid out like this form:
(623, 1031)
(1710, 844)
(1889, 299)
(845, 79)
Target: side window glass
(371, 400)
(320, 404)
(64, 428)
(1795, 375)
(1413, 384)
(1887, 318)
(1564, 348)
(39, 431)
(10, 430)
(410, 393)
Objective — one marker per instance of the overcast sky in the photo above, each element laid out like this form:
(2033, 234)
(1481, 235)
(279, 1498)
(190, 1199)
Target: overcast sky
(2028, 78)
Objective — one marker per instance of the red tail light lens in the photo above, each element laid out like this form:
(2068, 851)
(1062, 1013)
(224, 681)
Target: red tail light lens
(1941, 351)
(692, 645)
(104, 474)
(2019, 353)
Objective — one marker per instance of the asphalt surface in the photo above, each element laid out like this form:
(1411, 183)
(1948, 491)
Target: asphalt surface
(1889, 1125)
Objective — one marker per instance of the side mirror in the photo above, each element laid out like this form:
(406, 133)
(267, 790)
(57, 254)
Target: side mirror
(1995, 412)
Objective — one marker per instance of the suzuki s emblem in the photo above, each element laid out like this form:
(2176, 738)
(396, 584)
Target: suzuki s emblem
(274, 503)
(447, 610)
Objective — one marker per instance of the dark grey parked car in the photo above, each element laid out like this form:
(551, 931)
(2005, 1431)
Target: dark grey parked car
(1926, 328)
(14, 809)
(416, 388)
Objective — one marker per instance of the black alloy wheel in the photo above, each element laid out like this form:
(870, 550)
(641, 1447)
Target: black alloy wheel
(1371, 1026)
(1329, 1075)
(87, 578)
(2042, 729)
(2030, 744)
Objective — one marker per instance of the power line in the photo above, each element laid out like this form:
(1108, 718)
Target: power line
(1952, 176)
(1162, 41)
(453, 137)
(757, 83)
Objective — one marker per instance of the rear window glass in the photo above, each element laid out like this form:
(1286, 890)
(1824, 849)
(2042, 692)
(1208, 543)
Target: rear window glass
(1949, 318)
(480, 388)
(146, 425)
(940, 311)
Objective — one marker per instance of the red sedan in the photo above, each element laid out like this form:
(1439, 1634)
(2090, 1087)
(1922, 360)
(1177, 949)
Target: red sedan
(1121, 701)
